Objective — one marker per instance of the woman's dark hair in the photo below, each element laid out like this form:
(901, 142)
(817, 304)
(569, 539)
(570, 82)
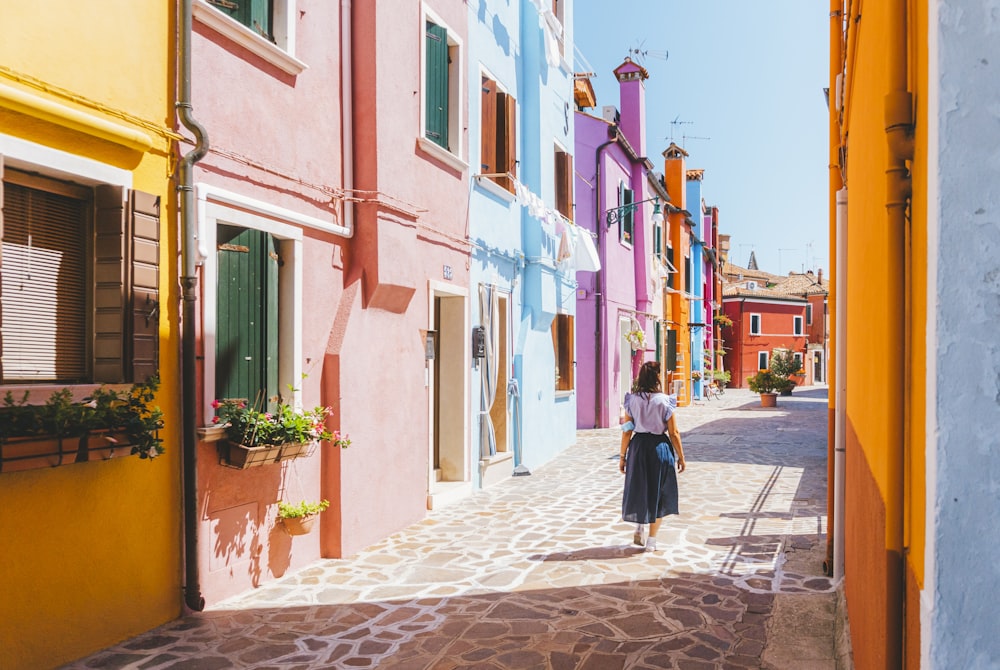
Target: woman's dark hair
(648, 380)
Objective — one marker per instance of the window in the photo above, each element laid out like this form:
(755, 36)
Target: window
(762, 360)
(265, 28)
(798, 360)
(671, 362)
(658, 240)
(246, 345)
(254, 14)
(441, 74)
(80, 282)
(498, 148)
(687, 274)
(672, 275)
(796, 325)
(755, 324)
(564, 183)
(563, 346)
(809, 314)
(626, 197)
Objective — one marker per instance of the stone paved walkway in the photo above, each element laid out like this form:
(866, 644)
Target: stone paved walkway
(539, 571)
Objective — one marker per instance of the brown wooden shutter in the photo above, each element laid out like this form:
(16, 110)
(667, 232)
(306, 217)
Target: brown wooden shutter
(564, 183)
(110, 299)
(143, 267)
(488, 132)
(507, 139)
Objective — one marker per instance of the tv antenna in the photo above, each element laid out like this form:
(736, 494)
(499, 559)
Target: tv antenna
(639, 53)
(677, 122)
(685, 138)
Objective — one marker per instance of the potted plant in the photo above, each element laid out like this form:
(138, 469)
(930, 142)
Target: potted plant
(784, 364)
(765, 383)
(298, 519)
(255, 437)
(636, 338)
(721, 377)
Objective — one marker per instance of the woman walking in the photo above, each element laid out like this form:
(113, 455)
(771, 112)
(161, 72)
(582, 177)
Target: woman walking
(651, 456)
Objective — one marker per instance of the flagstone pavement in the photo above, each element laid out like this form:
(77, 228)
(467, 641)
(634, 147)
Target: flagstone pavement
(539, 571)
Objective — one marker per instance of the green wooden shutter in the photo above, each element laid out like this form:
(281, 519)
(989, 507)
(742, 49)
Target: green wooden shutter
(143, 269)
(247, 315)
(254, 14)
(628, 197)
(658, 240)
(671, 349)
(659, 342)
(671, 278)
(437, 84)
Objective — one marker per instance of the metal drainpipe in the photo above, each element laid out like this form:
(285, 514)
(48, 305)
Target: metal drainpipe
(899, 136)
(602, 235)
(189, 285)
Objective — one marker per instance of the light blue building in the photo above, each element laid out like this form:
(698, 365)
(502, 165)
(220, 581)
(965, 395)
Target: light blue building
(522, 274)
(696, 291)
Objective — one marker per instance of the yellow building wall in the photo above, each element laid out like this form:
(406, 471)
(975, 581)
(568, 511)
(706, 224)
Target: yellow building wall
(90, 553)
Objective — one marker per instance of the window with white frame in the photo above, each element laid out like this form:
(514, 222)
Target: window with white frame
(796, 325)
(626, 228)
(798, 360)
(441, 85)
(79, 296)
(762, 360)
(253, 343)
(563, 169)
(498, 134)
(755, 324)
(266, 28)
(809, 314)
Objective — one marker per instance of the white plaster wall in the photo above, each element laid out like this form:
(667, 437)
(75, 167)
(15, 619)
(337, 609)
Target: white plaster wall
(963, 584)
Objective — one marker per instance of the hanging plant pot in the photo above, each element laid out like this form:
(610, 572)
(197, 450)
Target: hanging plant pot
(241, 457)
(295, 449)
(299, 525)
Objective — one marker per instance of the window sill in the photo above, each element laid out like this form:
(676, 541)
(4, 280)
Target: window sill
(440, 153)
(246, 38)
(494, 188)
(498, 457)
(211, 433)
(564, 394)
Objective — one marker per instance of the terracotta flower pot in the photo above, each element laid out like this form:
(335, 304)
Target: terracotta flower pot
(768, 399)
(33, 453)
(235, 455)
(299, 525)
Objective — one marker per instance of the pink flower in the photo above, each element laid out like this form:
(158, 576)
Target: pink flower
(216, 404)
(215, 419)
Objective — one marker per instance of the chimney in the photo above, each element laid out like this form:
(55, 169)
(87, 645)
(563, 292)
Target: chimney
(821, 276)
(632, 96)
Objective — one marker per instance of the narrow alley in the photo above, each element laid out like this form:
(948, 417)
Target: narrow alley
(539, 571)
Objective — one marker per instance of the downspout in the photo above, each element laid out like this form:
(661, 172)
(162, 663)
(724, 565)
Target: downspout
(899, 136)
(602, 235)
(840, 384)
(347, 113)
(835, 447)
(189, 285)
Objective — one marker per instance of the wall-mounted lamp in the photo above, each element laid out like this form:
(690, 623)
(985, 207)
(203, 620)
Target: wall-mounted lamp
(613, 216)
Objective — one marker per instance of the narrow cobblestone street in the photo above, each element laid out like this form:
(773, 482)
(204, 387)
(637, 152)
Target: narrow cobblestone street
(539, 571)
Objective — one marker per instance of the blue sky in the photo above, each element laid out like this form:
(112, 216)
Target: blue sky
(750, 77)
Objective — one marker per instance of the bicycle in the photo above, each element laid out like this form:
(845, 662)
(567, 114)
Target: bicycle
(714, 390)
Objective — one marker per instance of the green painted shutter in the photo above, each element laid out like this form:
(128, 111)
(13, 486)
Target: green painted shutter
(659, 342)
(671, 278)
(671, 349)
(658, 240)
(628, 221)
(247, 323)
(437, 84)
(254, 14)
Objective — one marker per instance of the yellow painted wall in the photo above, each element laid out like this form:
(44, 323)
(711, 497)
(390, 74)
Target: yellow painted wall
(90, 553)
(885, 388)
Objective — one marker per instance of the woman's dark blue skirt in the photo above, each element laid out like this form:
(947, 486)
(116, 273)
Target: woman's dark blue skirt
(650, 479)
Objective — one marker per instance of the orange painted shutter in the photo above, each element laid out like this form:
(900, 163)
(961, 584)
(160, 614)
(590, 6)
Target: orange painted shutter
(488, 132)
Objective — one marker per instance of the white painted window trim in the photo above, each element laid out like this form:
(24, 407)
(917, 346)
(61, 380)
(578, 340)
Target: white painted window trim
(495, 189)
(24, 155)
(760, 324)
(800, 330)
(212, 212)
(455, 95)
(767, 360)
(281, 55)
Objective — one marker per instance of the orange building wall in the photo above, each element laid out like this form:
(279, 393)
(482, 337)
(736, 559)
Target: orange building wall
(885, 489)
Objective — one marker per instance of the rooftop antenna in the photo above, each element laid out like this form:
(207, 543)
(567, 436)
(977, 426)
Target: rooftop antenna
(639, 53)
(685, 138)
(677, 122)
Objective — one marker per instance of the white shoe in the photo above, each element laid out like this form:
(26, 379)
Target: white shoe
(641, 533)
(651, 544)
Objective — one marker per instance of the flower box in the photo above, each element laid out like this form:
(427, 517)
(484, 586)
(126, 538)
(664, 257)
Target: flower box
(295, 449)
(239, 456)
(34, 453)
(101, 445)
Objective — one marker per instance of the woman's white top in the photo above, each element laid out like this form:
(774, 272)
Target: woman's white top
(650, 411)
